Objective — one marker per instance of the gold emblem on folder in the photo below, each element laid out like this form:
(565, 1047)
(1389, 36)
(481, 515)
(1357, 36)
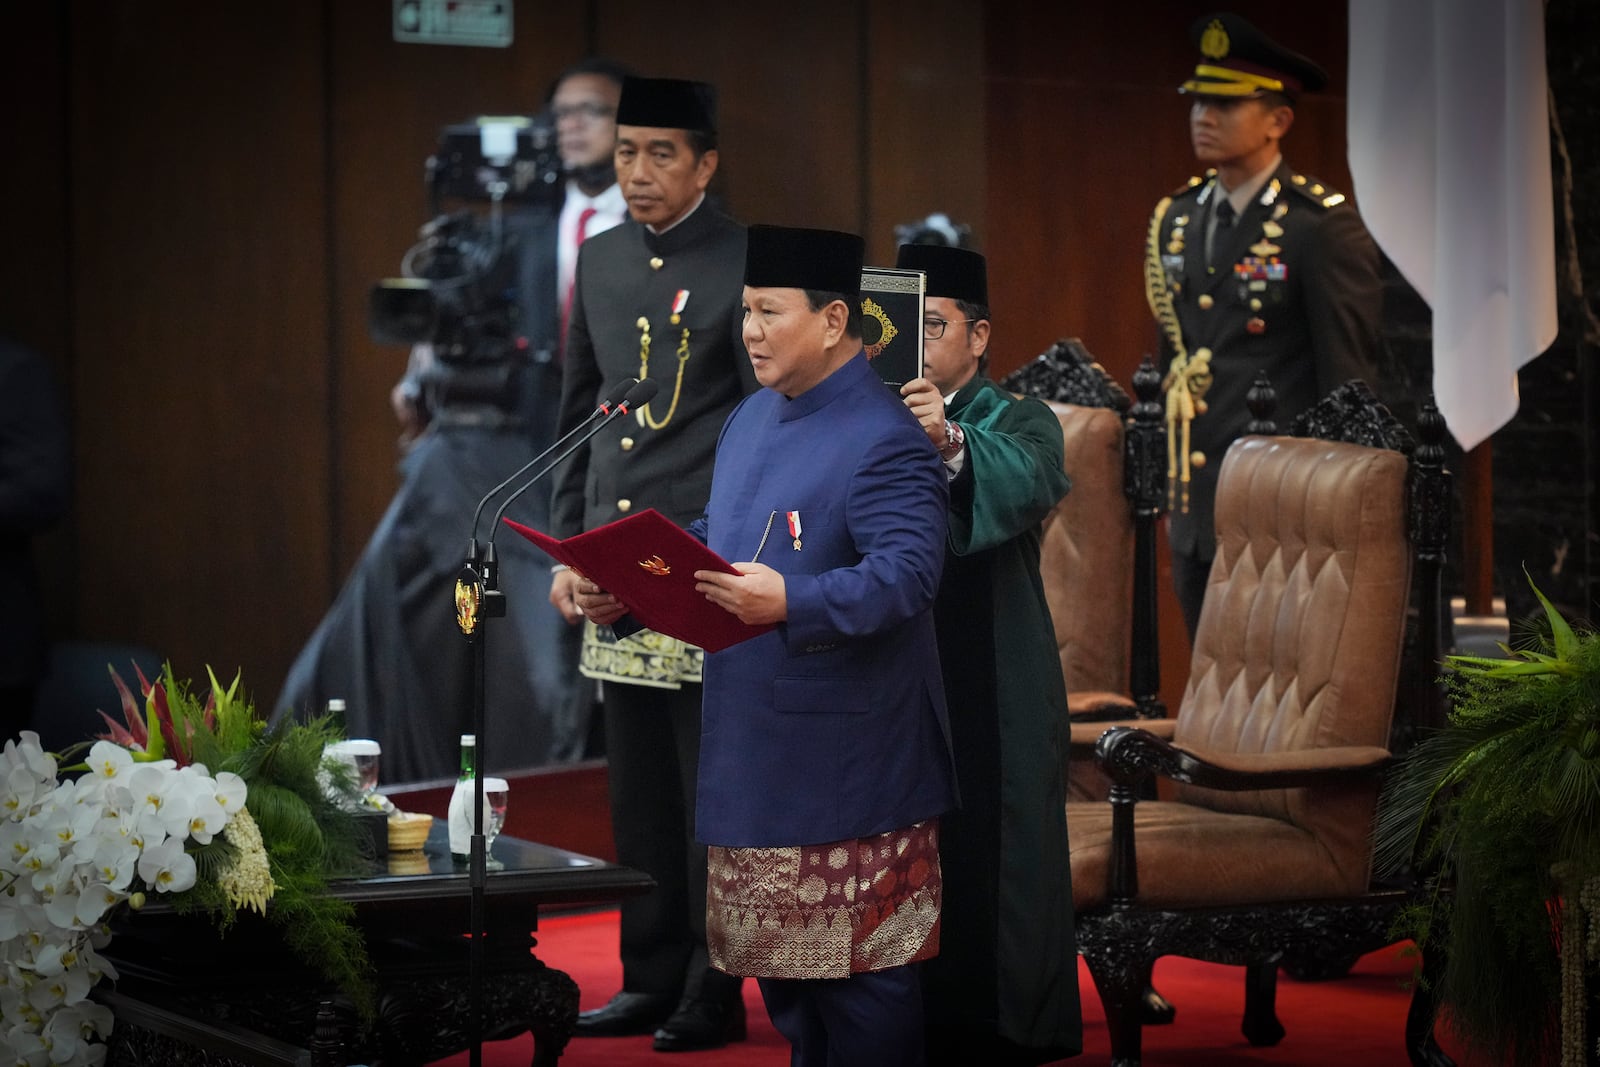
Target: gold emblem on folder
(656, 566)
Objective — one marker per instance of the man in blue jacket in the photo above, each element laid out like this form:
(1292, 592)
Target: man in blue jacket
(824, 754)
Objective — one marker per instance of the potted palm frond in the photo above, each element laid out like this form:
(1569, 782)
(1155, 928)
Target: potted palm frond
(1501, 810)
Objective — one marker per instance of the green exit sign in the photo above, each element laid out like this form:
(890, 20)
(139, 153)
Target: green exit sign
(481, 23)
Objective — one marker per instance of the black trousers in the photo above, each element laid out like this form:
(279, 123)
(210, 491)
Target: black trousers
(1189, 577)
(653, 749)
(866, 1020)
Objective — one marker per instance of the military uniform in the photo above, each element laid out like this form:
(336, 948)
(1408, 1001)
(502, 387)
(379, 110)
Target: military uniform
(1290, 291)
(1293, 294)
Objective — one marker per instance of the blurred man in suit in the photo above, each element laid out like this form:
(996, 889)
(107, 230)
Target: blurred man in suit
(469, 418)
(35, 490)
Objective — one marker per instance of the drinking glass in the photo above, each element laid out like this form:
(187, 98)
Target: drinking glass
(496, 794)
(362, 754)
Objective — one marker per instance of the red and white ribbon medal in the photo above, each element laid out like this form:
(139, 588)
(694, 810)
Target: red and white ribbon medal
(794, 528)
(679, 302)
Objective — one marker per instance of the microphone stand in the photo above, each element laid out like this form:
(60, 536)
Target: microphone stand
(478, 598)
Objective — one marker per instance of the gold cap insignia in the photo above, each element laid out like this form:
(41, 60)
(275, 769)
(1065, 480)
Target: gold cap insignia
(1214, 42)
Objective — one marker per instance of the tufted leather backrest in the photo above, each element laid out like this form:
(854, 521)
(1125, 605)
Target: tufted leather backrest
(1086, 554)
(1300, 638)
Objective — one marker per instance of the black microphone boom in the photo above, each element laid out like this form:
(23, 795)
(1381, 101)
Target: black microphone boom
(477, 598)
(639, 394)
(619, 393)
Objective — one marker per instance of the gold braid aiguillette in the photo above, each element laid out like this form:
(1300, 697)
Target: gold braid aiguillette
(1187, 378)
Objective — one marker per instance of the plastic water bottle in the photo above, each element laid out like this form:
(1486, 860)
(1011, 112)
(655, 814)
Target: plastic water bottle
(460, 817)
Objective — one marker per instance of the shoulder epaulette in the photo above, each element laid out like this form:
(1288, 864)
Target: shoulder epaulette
(1189, 186)
(1315, 191)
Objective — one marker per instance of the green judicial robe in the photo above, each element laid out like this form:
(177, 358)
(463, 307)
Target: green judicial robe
(1005, 983)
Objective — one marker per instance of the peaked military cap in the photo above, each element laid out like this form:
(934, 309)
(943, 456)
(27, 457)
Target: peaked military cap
(669, 103)
(956, 273)
(785, 257)
(1237, 60)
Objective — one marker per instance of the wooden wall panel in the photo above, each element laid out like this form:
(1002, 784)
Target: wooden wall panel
(199, 311)
(790, 97)
(924, 69)
(35, 290)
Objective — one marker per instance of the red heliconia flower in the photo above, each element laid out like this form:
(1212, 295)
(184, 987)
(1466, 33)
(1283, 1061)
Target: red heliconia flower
(134, 734)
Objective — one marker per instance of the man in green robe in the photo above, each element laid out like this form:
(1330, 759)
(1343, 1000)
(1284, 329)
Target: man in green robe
(1004, 988)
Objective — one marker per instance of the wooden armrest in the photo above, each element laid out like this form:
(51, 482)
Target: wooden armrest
(1085, 735)
(1100, 706)
(1129, 754)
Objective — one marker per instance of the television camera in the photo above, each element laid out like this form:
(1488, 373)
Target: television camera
(457, 289)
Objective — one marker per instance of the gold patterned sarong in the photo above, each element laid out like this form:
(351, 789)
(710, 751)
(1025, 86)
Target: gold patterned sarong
(643, 658)
(825, 911)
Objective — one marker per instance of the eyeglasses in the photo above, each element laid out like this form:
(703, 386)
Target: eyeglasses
(587, 111)
(933, 329)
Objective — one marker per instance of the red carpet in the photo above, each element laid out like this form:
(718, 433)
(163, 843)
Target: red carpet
(1359, 1019)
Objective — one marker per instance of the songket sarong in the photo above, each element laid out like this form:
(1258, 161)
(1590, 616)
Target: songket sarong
(825, 911)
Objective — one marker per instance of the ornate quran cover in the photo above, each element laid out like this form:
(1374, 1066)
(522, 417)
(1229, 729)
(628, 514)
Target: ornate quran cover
(891, 322)
(648, 562)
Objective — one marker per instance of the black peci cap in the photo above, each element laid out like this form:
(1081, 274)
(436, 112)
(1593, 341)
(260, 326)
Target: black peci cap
(669, 103)
(1238, 60)
(785, 257)
(956, 273)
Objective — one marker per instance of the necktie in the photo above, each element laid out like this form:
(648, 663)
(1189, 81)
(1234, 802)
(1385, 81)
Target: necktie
(577, 242)
(1219, 234)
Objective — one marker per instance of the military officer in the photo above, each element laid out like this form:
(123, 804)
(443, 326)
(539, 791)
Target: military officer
(1254, 268)
(657, 297)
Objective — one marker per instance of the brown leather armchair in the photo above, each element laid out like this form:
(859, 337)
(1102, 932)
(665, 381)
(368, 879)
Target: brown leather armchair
(1276, 753)
(1096, 557)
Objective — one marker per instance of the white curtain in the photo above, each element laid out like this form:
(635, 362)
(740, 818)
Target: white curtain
(1449, 141)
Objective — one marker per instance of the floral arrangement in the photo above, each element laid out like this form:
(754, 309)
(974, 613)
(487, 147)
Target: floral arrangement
(199, 804)
(1501, 809)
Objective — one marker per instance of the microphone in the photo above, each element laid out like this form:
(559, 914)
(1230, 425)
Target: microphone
(620, 392)
(639, 394)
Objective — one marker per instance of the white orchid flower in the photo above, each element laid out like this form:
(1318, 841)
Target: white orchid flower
(72, 1028)
(115, 859)
(25, 751)
(207, 819)
(231, 791)
(167, 868)
(110, 761)
(28, 1048)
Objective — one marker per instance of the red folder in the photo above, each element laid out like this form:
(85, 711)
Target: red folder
(648, 562)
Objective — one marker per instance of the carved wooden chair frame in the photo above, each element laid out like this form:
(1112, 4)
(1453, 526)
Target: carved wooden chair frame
(1121, 939)
(1067, 373)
